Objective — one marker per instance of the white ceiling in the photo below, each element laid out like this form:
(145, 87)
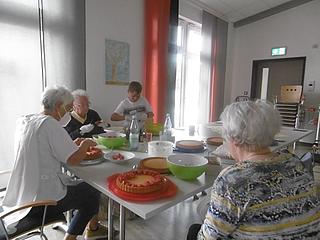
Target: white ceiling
(235, 10)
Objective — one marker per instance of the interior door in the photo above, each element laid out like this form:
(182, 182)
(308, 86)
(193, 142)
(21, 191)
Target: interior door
(285, 71)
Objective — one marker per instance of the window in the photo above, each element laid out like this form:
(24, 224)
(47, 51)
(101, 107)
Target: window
(21, 65)
(188, 73)
(20, 72)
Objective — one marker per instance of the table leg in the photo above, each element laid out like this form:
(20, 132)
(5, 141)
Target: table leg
(122, 222)
(110, 219)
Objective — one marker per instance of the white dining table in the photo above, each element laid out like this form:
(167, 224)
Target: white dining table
(96, 176)
(288, 136)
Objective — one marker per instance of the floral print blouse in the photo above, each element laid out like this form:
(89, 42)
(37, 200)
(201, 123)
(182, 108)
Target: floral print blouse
(274, 198)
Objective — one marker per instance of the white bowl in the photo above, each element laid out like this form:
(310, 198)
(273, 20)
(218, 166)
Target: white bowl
(127, 156)
(114, 128)
(160, 148)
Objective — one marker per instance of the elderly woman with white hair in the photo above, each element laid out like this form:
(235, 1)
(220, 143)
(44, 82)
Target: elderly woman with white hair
(265, 195)
(84, 122)
(42, 146)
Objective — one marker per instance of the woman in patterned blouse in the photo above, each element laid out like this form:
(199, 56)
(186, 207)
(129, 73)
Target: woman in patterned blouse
(264, 195)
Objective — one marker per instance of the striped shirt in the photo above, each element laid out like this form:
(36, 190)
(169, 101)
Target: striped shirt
(273, 198)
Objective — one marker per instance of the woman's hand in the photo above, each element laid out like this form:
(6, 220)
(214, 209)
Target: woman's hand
(102, 124)
(86, 144)
(81, 153)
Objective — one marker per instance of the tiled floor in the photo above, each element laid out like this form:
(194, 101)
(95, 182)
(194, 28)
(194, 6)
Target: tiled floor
(171, 224)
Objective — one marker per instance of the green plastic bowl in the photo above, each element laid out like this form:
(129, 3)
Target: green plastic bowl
(154, 128)
(187, 166)
(112, 141)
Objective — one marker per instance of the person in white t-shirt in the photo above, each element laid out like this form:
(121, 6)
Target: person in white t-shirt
(42, 147)
(134, 104)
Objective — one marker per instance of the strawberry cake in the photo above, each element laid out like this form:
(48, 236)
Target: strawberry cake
(140, 181)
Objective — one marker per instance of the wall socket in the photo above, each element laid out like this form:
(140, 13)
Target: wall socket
(311, 86)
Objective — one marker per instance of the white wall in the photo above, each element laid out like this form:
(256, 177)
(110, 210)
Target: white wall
(120, 20)
(297, 28)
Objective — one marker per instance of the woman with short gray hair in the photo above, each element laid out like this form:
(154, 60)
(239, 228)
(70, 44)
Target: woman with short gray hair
(251, 125)
(85, 121)
(264, 195)
(42, 146)
(54, 95)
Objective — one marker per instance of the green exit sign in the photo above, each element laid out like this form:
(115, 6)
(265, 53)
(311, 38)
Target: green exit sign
(278, 51)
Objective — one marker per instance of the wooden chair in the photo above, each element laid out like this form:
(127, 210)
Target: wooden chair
(29, 226)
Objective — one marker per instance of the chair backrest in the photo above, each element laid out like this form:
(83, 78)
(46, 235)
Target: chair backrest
(290, 93)
(29, 226)
(308, 161)
(242, 98)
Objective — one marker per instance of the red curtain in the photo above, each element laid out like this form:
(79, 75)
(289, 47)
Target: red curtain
(156, 19)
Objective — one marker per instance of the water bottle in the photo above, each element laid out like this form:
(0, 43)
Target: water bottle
(134, 134)
(167, 129)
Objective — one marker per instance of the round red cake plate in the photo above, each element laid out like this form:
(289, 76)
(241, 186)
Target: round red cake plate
(169, 190)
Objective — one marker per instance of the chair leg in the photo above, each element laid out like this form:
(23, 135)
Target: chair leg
(64, 226)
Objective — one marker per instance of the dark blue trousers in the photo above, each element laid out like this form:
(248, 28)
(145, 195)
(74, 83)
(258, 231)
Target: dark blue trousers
(83, 198)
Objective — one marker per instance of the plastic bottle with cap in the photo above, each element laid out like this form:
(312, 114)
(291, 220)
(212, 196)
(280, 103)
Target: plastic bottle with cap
(134, 133)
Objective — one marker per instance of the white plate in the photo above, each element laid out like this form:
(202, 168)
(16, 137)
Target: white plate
(92, 162)
(115, 128)
(127, 156)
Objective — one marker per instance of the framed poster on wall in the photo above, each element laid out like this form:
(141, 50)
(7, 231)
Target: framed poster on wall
(117, 62)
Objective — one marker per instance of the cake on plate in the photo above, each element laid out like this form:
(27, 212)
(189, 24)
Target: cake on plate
(189, 144)
(140, 181)
(216, 141)
(93, 153)
(158, 164)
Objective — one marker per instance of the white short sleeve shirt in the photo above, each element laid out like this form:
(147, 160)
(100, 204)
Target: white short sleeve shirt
(55, 147)
(142, 107)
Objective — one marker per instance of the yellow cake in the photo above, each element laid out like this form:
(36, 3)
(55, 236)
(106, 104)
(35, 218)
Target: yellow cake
(158, 164)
